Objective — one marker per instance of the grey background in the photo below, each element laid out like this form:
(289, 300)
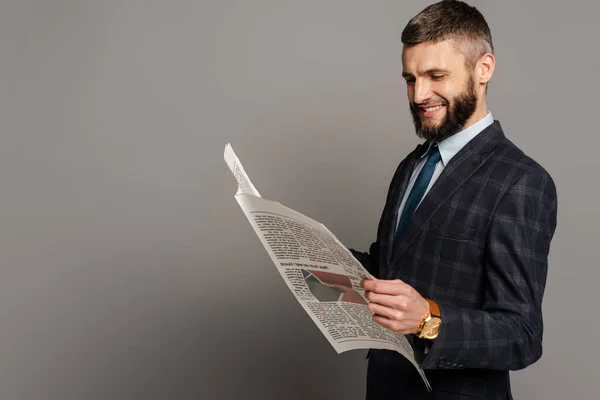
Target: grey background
(128, 270)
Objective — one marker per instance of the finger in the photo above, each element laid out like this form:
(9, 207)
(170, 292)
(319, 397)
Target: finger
(396, 326)
(399, 302)
(386, 322)
(385, 287)
(384, 311)
(362, 283)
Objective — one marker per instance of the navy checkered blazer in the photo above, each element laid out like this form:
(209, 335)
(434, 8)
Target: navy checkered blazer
(478, 245)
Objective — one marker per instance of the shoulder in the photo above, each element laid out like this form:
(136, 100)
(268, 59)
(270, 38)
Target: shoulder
(523, 174)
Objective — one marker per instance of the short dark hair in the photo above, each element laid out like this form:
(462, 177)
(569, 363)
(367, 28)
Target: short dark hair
(451, 19)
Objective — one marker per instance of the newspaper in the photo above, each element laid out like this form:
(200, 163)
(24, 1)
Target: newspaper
(319, 270)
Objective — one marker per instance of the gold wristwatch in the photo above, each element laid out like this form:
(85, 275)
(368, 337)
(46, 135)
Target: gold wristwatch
(430, 326)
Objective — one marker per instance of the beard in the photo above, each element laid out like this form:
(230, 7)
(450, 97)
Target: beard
(457, 114)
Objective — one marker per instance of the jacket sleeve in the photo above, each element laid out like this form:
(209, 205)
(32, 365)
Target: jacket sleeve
(370, 259)
(506, 332)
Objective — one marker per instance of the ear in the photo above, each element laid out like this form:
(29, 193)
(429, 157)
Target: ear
(485, 67)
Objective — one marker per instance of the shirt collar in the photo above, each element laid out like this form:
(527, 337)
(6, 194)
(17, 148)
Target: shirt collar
(449, 147)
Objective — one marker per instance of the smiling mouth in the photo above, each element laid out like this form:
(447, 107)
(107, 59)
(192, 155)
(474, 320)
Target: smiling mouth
(432, 108)
(430, 111)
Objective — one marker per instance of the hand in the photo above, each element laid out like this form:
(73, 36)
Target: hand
(395, 305)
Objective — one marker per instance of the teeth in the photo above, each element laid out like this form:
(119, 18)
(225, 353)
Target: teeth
(428, 109)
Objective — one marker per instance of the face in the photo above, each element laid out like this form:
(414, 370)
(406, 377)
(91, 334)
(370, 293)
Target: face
(442, 93)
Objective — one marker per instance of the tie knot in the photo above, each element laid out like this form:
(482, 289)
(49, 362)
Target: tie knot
(434, 155)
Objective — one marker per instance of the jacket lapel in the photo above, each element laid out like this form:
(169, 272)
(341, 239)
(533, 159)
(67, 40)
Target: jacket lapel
(397, 189)
(468, 160)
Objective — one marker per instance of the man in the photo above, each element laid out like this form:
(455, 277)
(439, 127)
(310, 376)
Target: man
(460, 258)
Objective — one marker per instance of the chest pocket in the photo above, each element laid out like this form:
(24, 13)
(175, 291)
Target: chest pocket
(456, 233)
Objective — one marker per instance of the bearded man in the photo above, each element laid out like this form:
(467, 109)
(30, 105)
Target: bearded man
(461, 255)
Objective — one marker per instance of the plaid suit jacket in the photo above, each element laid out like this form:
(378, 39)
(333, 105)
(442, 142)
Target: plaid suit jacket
(478, 245)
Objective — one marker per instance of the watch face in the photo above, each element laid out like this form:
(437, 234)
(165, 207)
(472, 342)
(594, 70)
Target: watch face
(432, 328)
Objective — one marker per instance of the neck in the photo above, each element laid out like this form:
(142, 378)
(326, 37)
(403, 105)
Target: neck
(480, 112)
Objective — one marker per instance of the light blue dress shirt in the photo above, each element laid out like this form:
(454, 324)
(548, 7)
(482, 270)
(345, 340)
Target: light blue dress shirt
(448, 149)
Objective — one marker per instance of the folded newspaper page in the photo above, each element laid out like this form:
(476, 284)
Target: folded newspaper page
(319, 270)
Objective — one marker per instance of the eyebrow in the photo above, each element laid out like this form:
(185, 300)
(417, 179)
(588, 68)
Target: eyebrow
(427, 72)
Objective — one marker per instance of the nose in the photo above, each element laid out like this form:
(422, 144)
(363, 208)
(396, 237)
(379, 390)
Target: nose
(422, 91)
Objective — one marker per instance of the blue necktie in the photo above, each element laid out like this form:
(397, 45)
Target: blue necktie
(418, 190)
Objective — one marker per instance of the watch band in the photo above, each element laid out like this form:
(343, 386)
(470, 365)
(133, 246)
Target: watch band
(435, 309)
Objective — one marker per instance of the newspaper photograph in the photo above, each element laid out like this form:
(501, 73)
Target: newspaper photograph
(319, 270)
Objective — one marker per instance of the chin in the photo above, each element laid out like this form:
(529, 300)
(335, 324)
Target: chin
(429, 123)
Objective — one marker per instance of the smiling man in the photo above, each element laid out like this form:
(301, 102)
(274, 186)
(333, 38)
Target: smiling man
(461, 254)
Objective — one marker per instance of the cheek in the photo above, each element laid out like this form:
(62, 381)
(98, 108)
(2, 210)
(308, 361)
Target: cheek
(449, 90)
(444, 91)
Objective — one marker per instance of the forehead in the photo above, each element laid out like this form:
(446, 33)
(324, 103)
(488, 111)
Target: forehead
(429, 56)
